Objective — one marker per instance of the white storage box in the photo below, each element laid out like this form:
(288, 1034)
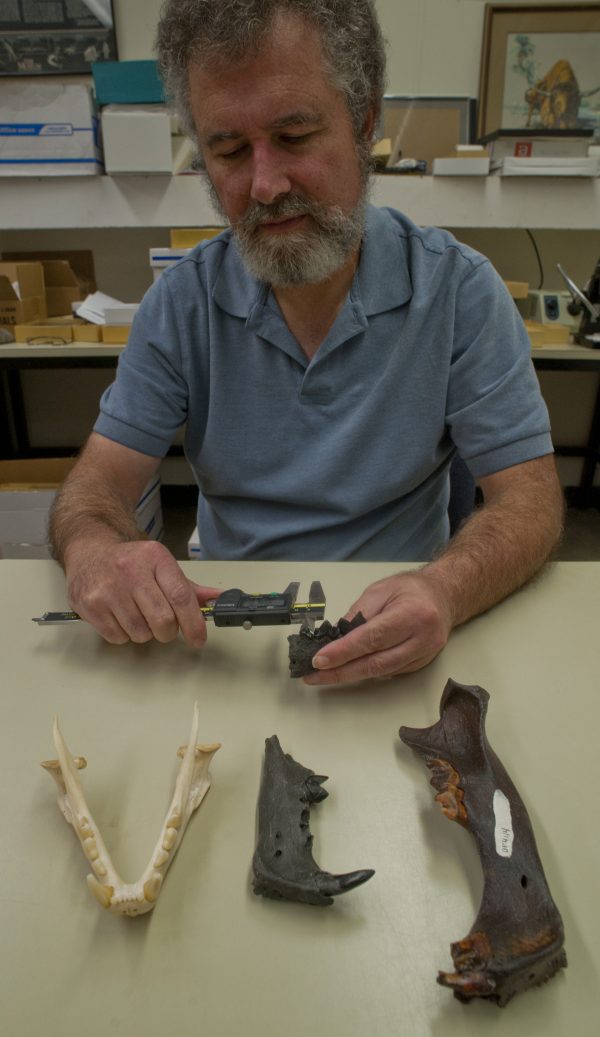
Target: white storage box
(194, 545)
(141, 139)
(27, 489)
(161, 258)
(48, 128)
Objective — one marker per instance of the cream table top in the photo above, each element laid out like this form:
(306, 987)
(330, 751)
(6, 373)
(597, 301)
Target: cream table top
(214, 958)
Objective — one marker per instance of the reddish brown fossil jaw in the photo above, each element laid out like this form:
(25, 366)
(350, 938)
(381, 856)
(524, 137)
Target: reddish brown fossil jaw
(516, 941)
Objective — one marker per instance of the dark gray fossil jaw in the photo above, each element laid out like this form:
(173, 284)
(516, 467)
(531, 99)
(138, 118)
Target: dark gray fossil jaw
(283, 864)
(516, 941)
(305, 644)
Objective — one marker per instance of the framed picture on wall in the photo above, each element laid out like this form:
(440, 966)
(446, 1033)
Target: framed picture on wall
(55, 37)
(540, 67)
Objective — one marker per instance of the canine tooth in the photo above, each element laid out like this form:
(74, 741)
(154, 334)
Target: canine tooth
(103, 894)
(152, 888)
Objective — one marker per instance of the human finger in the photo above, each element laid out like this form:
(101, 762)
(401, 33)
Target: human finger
(376, 635)
(204, 594)
(382, 666)
(180, 595)
(106, 624)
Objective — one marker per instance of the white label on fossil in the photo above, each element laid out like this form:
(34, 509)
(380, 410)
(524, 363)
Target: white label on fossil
(503, 830)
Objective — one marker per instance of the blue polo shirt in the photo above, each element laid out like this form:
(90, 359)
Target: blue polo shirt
(344, 456)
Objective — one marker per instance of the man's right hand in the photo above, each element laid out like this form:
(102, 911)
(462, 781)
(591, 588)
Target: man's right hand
(135, 591)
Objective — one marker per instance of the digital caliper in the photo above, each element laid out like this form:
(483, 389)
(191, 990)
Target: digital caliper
(235, 608)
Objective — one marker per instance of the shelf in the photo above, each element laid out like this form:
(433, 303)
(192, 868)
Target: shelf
(562, 203)
(559, 203)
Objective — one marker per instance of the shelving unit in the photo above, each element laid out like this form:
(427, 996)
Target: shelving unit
(560, 203)
(134, 203)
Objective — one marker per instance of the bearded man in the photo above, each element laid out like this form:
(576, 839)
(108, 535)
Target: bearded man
(328, 359)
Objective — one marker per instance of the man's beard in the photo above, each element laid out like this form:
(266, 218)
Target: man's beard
(305, 256)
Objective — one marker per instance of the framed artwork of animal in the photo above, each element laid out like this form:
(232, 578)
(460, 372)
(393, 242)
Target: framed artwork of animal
(540, 67)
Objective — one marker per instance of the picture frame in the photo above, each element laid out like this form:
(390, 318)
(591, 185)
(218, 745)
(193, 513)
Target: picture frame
(56, 37)
(540, 67)
(426, 126)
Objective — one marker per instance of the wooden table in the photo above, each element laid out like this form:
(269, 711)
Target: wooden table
(213, 957)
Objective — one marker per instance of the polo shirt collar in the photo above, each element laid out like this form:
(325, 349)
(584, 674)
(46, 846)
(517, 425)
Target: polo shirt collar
(382, 280)
(238, 293)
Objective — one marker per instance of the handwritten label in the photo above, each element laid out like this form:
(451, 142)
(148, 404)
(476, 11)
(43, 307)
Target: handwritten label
(503, 830)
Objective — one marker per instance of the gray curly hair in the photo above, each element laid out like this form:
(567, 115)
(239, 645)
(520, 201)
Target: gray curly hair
(201, 31)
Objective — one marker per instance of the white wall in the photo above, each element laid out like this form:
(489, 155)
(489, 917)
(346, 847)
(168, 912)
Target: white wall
(433, 45)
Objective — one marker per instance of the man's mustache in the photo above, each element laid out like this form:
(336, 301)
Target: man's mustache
(259, 213)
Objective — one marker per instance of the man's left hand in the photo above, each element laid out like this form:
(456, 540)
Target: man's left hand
(408, 623)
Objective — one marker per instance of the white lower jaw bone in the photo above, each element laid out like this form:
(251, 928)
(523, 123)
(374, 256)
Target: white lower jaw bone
(191, 786)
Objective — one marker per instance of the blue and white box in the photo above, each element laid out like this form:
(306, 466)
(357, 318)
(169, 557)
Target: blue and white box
(48, 127)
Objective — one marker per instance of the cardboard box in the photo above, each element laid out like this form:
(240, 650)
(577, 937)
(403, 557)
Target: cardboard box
(22, 295)
(140, 139)
(68, 277)
(62, 287)
(547, 334)
(188, 237)
(115, 334)
(27, 489)
(517, 289)
(48, 127)
(84, 332)
(57, 331)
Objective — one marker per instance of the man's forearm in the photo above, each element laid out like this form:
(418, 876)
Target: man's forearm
(96, 504)
(88, 509)
(502, 545)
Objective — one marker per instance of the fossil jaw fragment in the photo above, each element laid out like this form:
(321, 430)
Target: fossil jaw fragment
(109, 889)
(305, 645)
(516, 941)
(283, 865)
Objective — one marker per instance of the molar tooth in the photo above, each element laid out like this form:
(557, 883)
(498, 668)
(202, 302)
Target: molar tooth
(152, 888)
(169, 839)
(103, 894)
(90, 849)
(174, 821)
